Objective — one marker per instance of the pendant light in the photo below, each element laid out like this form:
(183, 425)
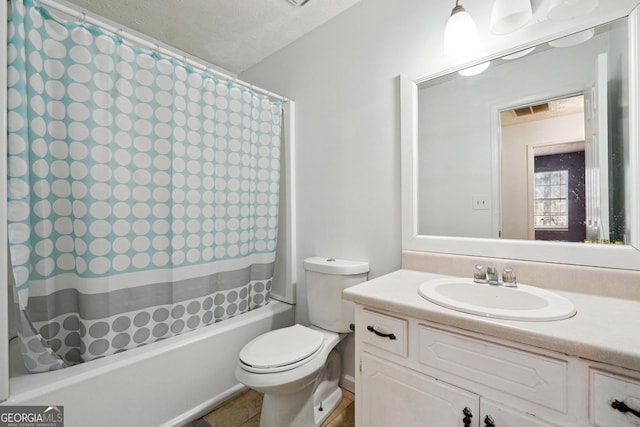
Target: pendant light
(508, 16)
(561, 10)
(460, 34)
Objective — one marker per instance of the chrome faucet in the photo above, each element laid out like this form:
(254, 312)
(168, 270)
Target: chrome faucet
(490, 275)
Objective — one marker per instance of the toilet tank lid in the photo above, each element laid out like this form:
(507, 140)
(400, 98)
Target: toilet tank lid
(335, 266)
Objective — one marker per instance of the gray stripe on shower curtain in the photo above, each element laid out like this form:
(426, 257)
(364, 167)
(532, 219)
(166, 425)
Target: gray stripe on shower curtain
(96, 306)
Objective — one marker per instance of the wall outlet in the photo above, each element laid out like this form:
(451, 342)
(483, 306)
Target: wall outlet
(480, 202)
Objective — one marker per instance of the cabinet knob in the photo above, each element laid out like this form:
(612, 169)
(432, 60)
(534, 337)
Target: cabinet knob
(468, 415)
(488, 421)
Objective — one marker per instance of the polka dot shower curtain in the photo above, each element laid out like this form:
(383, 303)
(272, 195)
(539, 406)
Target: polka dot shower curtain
(143, 194)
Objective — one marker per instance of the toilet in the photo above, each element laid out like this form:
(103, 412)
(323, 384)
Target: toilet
(297, 368)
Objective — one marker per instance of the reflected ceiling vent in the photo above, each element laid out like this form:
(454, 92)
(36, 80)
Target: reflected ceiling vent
(298, 2)
(531, 109)
(543, 111)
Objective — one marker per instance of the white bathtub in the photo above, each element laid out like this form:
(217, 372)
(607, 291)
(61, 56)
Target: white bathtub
(162, 384)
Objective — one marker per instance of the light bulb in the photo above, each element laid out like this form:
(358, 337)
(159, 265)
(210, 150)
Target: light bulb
(460, 34)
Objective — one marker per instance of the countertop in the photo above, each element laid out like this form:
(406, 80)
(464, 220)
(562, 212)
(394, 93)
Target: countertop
(604, 329)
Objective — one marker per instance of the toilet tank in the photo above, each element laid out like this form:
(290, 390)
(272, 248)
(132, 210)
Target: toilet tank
(326, 279)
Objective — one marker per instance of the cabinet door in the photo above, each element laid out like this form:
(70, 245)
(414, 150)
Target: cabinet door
(493, 414)
(607, 388)
(392, 395)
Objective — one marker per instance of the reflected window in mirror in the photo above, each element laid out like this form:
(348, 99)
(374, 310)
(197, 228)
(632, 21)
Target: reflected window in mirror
(551, 207)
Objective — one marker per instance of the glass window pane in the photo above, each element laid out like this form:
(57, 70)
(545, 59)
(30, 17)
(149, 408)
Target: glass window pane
(540, 207)
(550, 197)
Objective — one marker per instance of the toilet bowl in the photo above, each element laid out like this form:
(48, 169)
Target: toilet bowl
(296, 367)
(288, 378)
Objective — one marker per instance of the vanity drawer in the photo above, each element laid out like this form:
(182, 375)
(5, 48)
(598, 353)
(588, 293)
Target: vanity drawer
(606, 387)
(533, 377)
(385, 332)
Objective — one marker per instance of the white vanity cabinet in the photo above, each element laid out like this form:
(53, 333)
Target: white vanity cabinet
(412, 372)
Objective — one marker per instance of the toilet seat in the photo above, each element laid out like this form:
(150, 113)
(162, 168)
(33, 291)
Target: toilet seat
(281, 349)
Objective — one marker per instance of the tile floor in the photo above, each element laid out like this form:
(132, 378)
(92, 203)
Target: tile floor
(244, 411)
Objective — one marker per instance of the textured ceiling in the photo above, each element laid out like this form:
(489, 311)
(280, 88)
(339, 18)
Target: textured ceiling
(232, 34)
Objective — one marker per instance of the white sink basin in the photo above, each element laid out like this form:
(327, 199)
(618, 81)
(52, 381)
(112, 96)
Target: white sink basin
(521, 303)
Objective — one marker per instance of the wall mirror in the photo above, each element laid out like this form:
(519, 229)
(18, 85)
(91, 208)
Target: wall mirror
(530, 155)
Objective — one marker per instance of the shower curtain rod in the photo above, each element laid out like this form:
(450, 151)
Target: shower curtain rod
(84, 16)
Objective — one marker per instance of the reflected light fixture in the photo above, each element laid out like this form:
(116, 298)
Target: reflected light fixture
(508, 16)
(475, 70)
(560, 10)
(573, 39)
(460, 34)
(519, 54)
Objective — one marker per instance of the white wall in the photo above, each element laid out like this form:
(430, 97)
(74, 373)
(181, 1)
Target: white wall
(343, 77)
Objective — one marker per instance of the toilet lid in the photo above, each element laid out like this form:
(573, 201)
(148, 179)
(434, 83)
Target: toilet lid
(279, 349)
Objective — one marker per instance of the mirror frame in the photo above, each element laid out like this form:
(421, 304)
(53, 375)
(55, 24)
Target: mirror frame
(610, 256)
